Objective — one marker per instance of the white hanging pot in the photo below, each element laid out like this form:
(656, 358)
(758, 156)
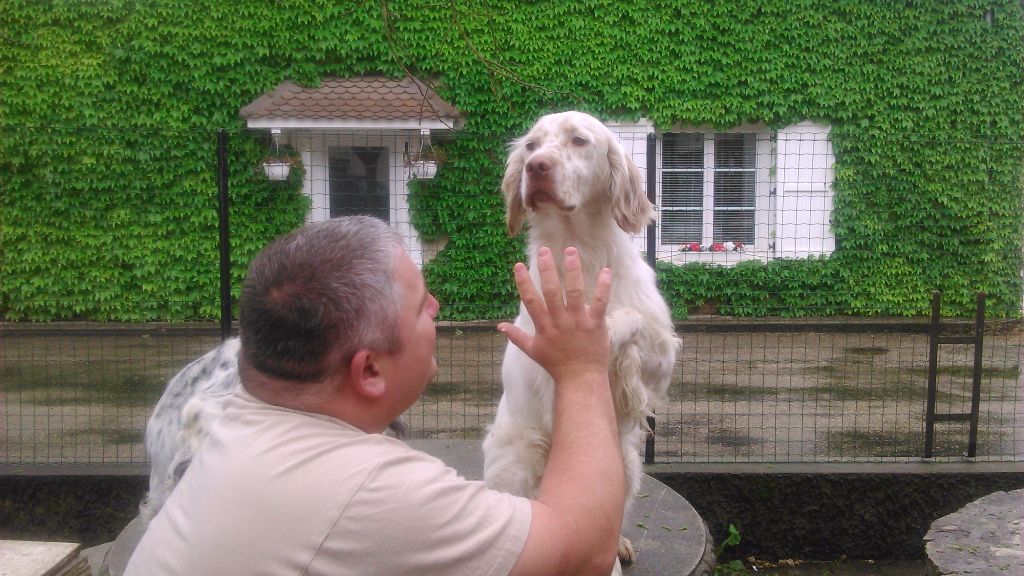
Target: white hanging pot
(276, 170)
(422, 169)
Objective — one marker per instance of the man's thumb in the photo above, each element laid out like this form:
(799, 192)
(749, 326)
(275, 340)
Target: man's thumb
(516, 335)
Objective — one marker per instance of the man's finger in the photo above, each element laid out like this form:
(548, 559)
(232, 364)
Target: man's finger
(602, 294)
(550, 285)
(532, 300)
(516, 335)
(575, 298)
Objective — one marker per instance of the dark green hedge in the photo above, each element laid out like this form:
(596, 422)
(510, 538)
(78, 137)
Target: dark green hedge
(925, 100)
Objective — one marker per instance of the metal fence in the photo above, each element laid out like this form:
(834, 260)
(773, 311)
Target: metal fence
(765, 389)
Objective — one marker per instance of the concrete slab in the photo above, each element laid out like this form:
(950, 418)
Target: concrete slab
(29, 558)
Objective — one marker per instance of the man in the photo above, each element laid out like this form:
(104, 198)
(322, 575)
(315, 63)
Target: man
(338, 336)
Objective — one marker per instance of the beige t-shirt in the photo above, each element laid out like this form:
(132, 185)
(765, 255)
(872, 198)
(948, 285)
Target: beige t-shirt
(275, 491)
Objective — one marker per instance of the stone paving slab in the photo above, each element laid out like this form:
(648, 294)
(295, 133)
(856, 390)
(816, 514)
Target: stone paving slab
(984, 537)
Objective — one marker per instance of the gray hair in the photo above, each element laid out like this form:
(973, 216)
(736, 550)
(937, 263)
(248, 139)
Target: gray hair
(314, 297)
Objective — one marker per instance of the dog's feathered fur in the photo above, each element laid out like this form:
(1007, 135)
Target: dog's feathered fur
(192, 401)
(570, 179)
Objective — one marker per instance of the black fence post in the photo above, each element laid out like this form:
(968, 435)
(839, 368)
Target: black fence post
(933, 363)
(979, 346)
(225, 237)
(652, 254)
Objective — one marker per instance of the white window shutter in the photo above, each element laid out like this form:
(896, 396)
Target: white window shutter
(803, 203)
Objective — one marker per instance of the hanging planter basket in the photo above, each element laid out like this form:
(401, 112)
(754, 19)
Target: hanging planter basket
(277, 170)
(278, 162)
(423, 163)
(422, 169)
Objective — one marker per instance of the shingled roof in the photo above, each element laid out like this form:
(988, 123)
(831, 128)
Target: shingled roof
(365, 101)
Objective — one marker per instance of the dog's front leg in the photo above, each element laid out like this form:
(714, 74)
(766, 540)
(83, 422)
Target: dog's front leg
(514, 457)
(629, 394)
(517, 443)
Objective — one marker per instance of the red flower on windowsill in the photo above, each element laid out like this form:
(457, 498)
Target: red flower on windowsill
(714, 247)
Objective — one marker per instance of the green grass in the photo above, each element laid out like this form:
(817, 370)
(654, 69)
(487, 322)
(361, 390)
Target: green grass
(901, 443)
(463, 391)
(851, 382)
(727, 392)
(1006, 373)
(898, 391)
(867, 350)
(110, 436)
(90, 383)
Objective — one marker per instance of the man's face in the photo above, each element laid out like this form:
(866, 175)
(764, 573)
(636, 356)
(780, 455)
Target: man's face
(414, 365)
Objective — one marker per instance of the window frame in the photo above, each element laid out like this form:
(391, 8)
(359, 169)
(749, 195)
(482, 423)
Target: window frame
(381, 178)
(763, 166)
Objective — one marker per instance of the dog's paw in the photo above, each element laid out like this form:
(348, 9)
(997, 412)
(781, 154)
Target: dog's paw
(624, 325)
(626, 551)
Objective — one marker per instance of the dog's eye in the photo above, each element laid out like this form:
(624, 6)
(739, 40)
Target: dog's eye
(579, 141)
(530, 146)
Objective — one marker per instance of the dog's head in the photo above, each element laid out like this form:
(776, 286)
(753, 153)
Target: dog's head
(570, 161)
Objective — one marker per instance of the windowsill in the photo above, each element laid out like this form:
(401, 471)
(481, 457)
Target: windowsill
(666, 254)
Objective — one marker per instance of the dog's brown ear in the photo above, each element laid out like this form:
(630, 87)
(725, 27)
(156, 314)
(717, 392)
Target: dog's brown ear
(511, 186)
(630, 207)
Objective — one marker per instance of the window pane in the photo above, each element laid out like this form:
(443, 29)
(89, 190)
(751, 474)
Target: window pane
(678, 226)
(731, 164)
(734, 226)
(682, 189)
(358, 182)
(682, 151)
(734, 189)
(735, 150)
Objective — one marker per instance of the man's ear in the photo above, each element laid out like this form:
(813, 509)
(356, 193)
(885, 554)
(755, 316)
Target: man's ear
(364, 375)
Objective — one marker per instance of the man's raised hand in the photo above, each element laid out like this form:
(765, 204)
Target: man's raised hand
(571, 335)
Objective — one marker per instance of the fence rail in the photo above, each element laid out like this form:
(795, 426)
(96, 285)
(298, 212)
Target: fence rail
(115, 272)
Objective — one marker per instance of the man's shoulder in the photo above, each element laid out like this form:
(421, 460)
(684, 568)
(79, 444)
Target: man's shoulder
(396, 456)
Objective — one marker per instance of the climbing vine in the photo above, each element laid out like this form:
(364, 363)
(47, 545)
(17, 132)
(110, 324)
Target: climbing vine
(109, 110)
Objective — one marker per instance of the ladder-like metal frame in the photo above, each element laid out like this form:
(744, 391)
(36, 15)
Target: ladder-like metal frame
(935, 338)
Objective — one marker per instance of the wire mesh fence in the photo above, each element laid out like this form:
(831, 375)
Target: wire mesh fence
(111, 273)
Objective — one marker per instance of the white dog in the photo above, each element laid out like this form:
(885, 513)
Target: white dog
(571, 180)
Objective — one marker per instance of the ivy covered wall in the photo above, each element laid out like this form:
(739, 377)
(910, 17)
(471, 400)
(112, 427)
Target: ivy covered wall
(924, 98)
